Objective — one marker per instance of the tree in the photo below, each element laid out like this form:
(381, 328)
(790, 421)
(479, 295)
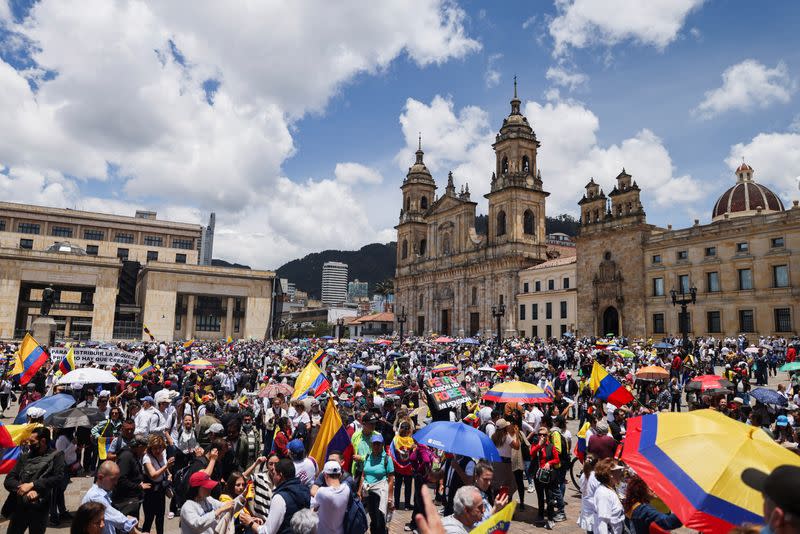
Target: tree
(385, 287)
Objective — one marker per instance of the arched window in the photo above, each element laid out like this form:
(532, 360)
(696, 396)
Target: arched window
(504, 166)
(446, 244)
(423, 203)
(408, 203)
(596, 215)
(474, 296)
(526, 166)
(423, 244)
(404, 254)
(501, 223)
(527, 222)
(501, 300)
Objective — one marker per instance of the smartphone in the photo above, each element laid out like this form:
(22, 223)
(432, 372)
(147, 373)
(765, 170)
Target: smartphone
(503, 491)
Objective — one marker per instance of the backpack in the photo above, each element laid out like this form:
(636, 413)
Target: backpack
(565, 457)
(355, 517)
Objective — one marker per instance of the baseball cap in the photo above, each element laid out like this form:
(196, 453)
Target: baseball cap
(377, 438)
(781, 486)
(602, 427)
(501, 424)
(296, 446)
(332, 468)
(370, 418)
(782, 420)
(148, 398)
(215, 428)
(201, 479)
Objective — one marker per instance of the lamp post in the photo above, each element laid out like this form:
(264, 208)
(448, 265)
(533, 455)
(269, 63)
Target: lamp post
(497, 313)
(401, 320)
(683, 300)
(339, 325)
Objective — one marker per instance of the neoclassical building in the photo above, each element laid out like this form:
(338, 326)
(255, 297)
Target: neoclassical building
(745, 264)
(448, 275)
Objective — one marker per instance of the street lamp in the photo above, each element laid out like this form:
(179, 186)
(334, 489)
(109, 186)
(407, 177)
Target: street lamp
(401, 320)
(339, 325)
(497, 313)
(683, 300)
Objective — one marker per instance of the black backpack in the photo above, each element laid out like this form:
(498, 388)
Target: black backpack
(355, 517)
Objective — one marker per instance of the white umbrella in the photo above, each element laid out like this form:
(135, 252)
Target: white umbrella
(373, 368)
(88, 375)
(487, 369)
(751, 350)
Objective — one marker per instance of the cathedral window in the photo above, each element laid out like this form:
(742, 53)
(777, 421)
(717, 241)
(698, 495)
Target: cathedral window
(421, 301)
(526, 166)
(423, 244)
(474, 296)
(423, 203)
(501, 223)
(527, 222)
(446, 244)
(504, 167)
(408, 204)
(404, 249)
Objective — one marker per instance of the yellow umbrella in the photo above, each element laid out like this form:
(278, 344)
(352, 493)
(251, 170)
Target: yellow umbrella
(199, 364)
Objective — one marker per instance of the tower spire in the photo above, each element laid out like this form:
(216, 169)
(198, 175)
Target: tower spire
(515, 86)
(515, 102)
(419, 152)
(419, 147)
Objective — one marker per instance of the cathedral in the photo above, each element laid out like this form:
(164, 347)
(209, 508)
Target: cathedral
(449, 277)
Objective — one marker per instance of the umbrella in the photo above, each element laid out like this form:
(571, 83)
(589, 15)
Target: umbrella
(393, 354)
(358, 366)
(272, 390)
(51, 404)
(751, 350)
(662, 345)
(334, 352)
(706, 495)
(769, 396)
(200, 364)
(445, 368)
(625, 353)
(469, 341)
(487, 369)
(443, 339)
(652, 372)
(515, 391)
(705, 383)
(382, 342)
(501, 367)
(458, 438)
(75, 417)
(535, 364)
(373, 368)
(791, 366)
(88, 375)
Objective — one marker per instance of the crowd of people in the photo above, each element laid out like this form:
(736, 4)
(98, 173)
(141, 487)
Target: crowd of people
(226, 449)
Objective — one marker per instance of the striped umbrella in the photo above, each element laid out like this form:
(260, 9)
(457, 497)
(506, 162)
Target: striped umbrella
(516, 391)
(445, 368)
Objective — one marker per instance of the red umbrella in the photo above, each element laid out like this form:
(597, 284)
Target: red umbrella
(501, 367)
(704, 383)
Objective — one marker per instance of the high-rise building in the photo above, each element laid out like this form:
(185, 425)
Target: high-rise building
(207, 241)
(357, 290)
(334, 282)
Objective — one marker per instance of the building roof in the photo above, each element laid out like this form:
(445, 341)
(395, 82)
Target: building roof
(558, 262)
(383, 317)
(746, 197)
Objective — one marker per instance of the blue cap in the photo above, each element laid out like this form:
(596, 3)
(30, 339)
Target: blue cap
(782, 420)
(148, 398)
(296, 446)
(377, 438)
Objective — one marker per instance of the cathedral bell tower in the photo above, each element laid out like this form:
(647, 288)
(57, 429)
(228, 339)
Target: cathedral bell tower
(419, 190)
(516, 198)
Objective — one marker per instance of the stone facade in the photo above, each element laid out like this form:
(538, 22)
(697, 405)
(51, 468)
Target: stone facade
(548, 287)
(448, 276)
(744, 265)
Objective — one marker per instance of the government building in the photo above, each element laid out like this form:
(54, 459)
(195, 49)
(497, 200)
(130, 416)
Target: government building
(449, 277)
(744, 265)
(113, 275)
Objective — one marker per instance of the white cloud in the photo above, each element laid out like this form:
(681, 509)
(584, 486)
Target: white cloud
(775, 158)
(748, 85)
(563, 77)
(492, 76)
(584, 23)
(530, 21)
(127, 94)
(354, 173)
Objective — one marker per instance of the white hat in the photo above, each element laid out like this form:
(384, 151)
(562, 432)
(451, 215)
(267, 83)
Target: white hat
(34, 412)
(332, 468)
(104, 393)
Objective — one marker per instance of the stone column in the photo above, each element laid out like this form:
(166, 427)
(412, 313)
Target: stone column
(229, 318)
(189, 317)
(67, 326)
(105, 302)
(9, 300)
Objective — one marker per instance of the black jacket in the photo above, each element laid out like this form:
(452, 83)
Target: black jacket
(131, 476)
(296, 496)
(45, 471)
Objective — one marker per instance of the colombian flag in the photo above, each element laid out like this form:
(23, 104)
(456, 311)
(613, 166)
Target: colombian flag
(393, 388)
(14, 435)
(311, 378)
(332, 436)
(497, 523)
(580, 446)
(32, 356)
(606, 387)
(104, 441)
(548, 388)
(8, 459)
(188, 344)
(68, 363)
(146, 367)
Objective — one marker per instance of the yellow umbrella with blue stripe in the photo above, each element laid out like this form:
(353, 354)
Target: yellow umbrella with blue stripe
(694, 461)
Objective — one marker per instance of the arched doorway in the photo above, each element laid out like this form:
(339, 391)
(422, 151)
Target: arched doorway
(610, 321)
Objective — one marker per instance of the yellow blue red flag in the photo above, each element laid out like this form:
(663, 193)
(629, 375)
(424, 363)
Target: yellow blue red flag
(607, 388)
(497, 523)
(310, 381)
(14, 435)
(32, 356)
(332, 436)
(68, 363)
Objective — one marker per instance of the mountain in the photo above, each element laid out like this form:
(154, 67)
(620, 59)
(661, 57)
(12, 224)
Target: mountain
(373, 263)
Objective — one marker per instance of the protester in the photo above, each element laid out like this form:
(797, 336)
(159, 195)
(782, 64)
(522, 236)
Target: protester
(330, 500)
(114, 521)
(639, 511)
(377, 485)
(609, 516)
(89, 519)
(201, 512)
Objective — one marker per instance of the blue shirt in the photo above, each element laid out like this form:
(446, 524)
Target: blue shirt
(376, 469)
(114, 519)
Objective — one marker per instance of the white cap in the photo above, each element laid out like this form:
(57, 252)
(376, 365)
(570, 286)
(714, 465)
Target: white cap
(104, 393)
(332, 468)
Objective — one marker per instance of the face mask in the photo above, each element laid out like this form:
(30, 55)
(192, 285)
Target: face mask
(247, 427)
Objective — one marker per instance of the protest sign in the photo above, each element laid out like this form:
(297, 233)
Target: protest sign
(445, 392)
(98, 356)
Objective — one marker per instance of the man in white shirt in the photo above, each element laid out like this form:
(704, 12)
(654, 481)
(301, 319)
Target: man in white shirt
(115, 521)
(147, 420)
(533, 417)
(330, 501)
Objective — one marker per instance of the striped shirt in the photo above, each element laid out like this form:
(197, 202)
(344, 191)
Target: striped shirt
(263, 493)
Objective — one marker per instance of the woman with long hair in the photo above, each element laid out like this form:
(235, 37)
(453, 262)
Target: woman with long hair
(156, 470)
(609, 517)
(282, 438)
(506, 439)
(641, 513)
(588, 484)
(88, 519)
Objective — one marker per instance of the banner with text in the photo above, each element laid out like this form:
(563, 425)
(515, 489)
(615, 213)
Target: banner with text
(87, 355)
(446, 392)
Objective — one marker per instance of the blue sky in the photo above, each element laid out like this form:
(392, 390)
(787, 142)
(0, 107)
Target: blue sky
(295, 122)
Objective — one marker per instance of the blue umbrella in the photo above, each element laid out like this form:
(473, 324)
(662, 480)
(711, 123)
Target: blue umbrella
(458, 438)
(769, 396)
(662, 345)
(51, 404)
(469, 341)
(358, 366)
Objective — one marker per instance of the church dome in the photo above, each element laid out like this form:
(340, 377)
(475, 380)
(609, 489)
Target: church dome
(746, 197)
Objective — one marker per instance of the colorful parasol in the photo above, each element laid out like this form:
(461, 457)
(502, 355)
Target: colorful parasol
(443, 339)
(791, 366)
(501, 367)
(199, 364)
(708, 495)
(652, 372)
(625, 353)
(516, 391)
(445, 368)
(707, 383)
(272, 390)
(384, 342)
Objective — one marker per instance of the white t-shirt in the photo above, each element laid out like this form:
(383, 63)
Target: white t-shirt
(302, 418)
(609, 515)
(157, 464)
(306, 471)
(505, 448)
(331, 505)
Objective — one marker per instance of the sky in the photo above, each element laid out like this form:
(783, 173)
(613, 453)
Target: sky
(296, 121)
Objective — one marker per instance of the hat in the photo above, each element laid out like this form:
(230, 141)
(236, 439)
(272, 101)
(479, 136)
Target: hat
(31, 385)
(782, 485)
(332, 468)
(104, 393)
(501, 424)
(148, 398)
(370, 418)
(738, 400)
(201, 479)
(34, 412)
(602, 427)
(137, 442)
(376, 438)
(215, 428)
(782, 420)
(296, 446)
